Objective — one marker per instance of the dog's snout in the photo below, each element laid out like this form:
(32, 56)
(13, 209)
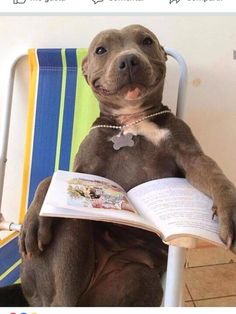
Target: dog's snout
(128, 62)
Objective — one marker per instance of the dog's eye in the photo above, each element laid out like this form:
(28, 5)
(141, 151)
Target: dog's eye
(147, 41)
(100, 50)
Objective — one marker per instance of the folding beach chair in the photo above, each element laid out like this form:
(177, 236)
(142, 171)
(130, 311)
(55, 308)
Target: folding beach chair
(61, 110)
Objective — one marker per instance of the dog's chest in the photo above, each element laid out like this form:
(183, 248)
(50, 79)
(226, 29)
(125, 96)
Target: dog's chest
(148, 159)
(150, 131)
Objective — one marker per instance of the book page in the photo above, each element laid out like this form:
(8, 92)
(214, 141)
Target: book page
(78, 195)
(176, 208)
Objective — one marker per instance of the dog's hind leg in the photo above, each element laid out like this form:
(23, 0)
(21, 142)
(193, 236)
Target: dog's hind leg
(60, 275)
(75, 258)
(133, 284)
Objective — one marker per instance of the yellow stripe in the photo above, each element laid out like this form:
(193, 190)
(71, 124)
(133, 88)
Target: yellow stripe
(17, 281)
(29, 131)
(62, 105)
(8, 238)
(10, 269)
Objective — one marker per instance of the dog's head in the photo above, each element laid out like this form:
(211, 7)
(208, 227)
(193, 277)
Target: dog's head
(125, 68)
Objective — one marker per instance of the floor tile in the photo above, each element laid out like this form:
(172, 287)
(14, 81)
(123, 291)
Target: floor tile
(211, 281)
(227, 301)
(209, 256)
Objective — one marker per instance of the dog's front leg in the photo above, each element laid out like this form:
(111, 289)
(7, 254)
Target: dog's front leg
(36, 231)
(203, 173)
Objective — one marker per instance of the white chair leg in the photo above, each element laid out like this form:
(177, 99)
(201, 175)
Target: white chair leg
(5, 123)
(174, 277)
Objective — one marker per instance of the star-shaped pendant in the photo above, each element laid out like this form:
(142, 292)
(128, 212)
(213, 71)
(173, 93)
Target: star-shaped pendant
(122, 140)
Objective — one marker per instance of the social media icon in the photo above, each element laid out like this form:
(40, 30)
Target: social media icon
(177, 1)
(96, 1)
(19, 1)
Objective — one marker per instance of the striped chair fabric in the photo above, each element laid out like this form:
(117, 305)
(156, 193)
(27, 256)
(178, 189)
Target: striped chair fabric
(61, 110)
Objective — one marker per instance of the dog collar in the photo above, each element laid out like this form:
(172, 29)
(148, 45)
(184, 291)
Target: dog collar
(122, 140)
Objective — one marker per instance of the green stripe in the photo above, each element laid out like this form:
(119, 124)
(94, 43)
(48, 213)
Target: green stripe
(62, 104)
(86, 108)
(7, 272)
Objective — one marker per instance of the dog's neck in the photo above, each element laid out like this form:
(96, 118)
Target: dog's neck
(129, 117)
(122, 111)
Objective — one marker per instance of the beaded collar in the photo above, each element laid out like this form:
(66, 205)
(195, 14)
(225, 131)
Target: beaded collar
(122, 140)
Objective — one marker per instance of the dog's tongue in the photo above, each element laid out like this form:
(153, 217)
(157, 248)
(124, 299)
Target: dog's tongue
(133, 93)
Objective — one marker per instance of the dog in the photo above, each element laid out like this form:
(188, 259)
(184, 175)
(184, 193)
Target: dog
(72, 262)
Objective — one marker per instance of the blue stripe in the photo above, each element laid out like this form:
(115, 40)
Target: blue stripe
(11, 278)
(47, 116)
(49, 58)
(9, 255)
(68, 116)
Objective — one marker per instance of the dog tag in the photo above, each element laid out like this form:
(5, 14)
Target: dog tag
(122, 140)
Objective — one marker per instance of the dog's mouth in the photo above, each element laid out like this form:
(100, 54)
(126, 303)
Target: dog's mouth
(132, 91)
(128, 92)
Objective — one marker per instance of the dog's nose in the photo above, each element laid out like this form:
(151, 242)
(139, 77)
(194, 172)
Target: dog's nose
(128, 62)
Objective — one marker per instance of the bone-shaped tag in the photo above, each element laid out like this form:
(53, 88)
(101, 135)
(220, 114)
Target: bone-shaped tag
(122, 140)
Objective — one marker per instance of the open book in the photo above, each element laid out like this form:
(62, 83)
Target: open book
(170, 207)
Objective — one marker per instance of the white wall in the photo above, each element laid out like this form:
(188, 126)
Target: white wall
(206, 42)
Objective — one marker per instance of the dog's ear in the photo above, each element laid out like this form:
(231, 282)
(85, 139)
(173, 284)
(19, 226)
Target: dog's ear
(164, 52)
(85, 68)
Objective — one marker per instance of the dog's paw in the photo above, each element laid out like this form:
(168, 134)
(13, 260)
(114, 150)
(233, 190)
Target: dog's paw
(227, 221)
(36, 231)
(35, 236)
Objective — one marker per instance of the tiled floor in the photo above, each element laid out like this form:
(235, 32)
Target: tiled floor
(210, 278)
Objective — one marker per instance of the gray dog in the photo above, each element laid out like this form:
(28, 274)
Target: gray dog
(68, 262)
